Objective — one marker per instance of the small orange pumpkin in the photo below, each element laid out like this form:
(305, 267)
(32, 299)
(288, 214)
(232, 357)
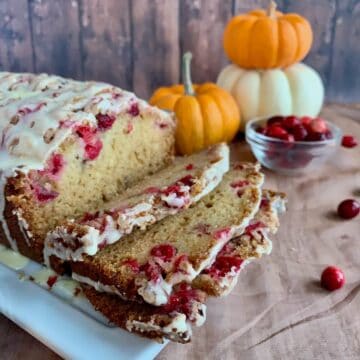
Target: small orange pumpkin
(206, 114)
(265, 40)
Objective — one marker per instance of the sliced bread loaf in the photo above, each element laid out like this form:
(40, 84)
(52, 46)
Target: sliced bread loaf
(146, 265)
(186, 306)
(169, 191)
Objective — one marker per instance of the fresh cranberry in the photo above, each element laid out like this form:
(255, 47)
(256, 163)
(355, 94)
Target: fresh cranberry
(164, 251)
(315, 136)
(152, 271)
(332, 278)
(348, 209)
(299, 132)
(290, 122)
(306, 120)
(56, 164)
(134, 109)
(261, 130)
(51, 281)
(181, 300)
(86, 132)
(349, 141)
(105, 122)
(172, 189)
(189, 167)
(93, 150)
(187, 180)
(318, 125)
(223, 265)
(275, 120)
(276, 131)
(132, 264)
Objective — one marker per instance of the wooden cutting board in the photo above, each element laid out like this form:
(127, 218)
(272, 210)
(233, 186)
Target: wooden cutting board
(278, 310)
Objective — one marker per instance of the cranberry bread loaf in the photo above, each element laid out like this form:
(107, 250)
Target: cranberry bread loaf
(165, 193)
(66, 148)
(186, 306)
(146, 265)
(221, 277)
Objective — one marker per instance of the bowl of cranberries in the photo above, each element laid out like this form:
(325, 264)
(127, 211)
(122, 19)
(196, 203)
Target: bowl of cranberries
(292, 145)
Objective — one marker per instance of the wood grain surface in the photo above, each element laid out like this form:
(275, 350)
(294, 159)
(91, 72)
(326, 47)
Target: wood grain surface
(278, 311)
(137, 44)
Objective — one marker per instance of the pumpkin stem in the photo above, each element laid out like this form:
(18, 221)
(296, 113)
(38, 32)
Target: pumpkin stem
(186, 73)
(272, 10)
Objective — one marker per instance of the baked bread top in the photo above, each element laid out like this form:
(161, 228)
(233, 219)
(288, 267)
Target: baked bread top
(48, 122)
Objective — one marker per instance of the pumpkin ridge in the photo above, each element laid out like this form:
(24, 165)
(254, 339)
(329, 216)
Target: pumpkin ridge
(300, 25)
(229, 112)
(297, 48)
(212, 119)
(259, 50)
(286, 52)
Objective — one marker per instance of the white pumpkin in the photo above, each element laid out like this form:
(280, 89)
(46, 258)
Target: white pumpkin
(296, 90)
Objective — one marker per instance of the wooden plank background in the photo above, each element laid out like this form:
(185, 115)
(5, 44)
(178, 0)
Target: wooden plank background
(137, 44)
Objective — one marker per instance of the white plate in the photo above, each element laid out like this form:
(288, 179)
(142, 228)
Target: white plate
(66, 324)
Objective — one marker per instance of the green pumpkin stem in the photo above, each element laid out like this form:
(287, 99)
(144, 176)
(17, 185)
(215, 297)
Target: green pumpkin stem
(272, 10)
(186, 74)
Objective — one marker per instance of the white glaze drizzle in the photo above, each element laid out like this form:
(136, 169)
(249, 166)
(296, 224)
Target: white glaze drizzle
(31, 106)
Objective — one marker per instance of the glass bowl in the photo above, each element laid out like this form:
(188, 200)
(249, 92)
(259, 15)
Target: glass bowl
(290, 158)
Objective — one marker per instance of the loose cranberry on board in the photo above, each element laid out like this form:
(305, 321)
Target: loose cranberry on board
(349, 141)
(332, 278)
(275, 120)
(348, 209)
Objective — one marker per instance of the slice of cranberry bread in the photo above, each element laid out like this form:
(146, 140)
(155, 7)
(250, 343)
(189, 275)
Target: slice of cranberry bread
(173, 321)
(66, 147)
(186, 306)
(146, 265)
(221, 277)
(167, 192)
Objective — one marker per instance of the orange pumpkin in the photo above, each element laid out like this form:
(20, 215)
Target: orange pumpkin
(206, 114)
(265, 40)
